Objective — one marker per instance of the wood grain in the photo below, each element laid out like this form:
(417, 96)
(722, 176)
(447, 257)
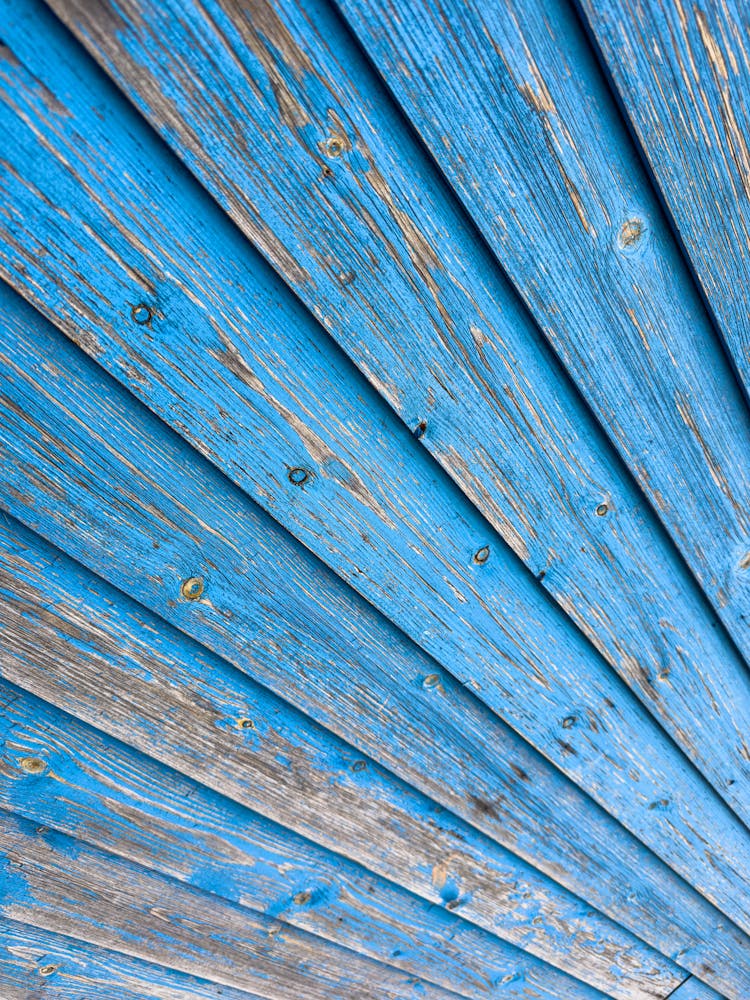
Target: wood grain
(82, 971)
(683, 74)
(377, 508)
(99, 791)
(249, 103)
(692, 989)
(526, 130)
(73, 441)
(63, 885)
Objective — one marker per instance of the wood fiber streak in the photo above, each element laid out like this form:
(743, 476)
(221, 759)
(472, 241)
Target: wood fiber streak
(83, 971)
(262, 402)
(251, 102)
(683, 73)
(100, 792)
(63, 885)
(311, 640)
(525, 128)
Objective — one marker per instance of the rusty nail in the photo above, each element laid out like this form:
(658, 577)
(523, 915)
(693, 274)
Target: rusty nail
(192, 588)
(359, 765)
(453, 904)
(33, 765)
(47, 970)
(334, 146)
(420, 429)
(431, 681)
(602, 509)
(302, 897)
(299, 476)
(569, 721)
(142, 314)
(246, 724)
(630, 234)
(482, 555)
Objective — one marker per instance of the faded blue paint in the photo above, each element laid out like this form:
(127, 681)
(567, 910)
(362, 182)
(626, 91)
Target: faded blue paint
(137, 547)
(110, 237)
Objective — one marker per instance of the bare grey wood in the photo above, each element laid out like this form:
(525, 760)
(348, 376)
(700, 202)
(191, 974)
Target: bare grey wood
(51, 881)
(36, 963)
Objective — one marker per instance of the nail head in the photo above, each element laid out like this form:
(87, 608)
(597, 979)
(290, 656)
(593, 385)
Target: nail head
(192, 588)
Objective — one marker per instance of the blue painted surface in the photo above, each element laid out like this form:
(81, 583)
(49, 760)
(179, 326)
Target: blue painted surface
(308, 607)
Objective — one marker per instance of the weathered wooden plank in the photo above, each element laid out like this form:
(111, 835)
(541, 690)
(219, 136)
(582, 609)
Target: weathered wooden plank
(437, 332)
(524, 126)
(38, 963)
(375, 507)
(306, 636)
(693, 989)
(683, 73)
(65, 775)
(60, 884)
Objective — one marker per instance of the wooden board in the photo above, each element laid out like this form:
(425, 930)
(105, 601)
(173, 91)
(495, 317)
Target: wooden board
(683, 74)
(405, 539)
(506, 790)
(500, 416)
(35, 961)
(60, 884)
(97, 790)
(524, 127)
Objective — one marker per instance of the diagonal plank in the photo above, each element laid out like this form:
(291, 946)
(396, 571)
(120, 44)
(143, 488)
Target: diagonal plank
(521, 120)
(491, 407)
(683, 73)
(375, 507)
(693, 989)
(303, 778)
(60, 884)
(62, 968)
(341, 663)
(65, 775)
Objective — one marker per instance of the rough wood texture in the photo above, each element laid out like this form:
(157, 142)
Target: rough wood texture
(523, 125)
(692, 989)
(305, 635)
(73, 970)
(683, 73)
(99, 791)
(425, 315)
(379, 514)
(63, 885)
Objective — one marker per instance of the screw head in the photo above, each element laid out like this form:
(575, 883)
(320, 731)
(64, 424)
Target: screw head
(142, 314)
(246, 724)
(602, 510)
(32, 765)
(431, 681)
(47, 970)
(334, 146)
(482, 555)
(192, 588)
(630, 235)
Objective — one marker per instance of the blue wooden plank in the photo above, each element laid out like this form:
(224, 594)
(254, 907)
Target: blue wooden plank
(524, 126)
(55, 882)
(36, 962)
(428, 319)
(299, 632)
(377, 510)
(693, 989)
(66, 775)
(683, 73)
